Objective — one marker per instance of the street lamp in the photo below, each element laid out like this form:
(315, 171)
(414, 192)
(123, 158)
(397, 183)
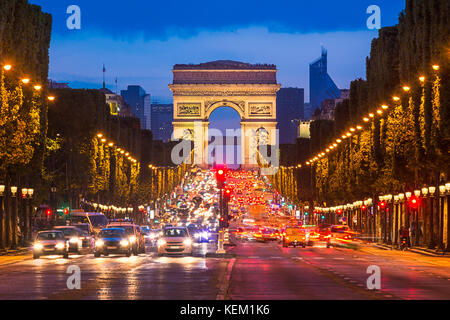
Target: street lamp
(7, 67)
(13, 191)
(2, 189)
(25, 80)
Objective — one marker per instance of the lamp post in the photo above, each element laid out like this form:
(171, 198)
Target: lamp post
(29, 215)
(432, 243)
(13, 219)
(2, 217)
(441, 199)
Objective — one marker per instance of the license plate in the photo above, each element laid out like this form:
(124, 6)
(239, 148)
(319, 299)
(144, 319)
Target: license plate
(111, 248)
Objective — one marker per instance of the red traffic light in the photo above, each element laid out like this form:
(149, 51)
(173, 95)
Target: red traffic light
(414, 202)
(382, 204)
(66, 211)
(339, 211)
(363, 208)
(221, 177)
(48, 212)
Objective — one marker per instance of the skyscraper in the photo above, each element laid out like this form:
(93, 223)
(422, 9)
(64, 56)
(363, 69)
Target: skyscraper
(139, 101)
(321, 86)
(290, 110)
(161, 121)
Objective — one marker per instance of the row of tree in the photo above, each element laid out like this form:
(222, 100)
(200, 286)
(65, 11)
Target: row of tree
(408, 145)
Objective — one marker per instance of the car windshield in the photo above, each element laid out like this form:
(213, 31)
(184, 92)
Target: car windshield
(111, 233)
(175, 233)
(69, 231)
(50, 236)
(96, 220)
(128, 229)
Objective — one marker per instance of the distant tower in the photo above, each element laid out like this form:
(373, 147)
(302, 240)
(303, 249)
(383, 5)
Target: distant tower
(321, 85)
(104, 70)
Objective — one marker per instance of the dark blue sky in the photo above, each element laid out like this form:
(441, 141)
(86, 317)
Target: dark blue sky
(139, 41)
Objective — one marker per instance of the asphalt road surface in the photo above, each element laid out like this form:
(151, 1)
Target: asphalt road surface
(259, 271)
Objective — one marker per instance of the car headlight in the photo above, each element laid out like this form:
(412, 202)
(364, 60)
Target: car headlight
(60, 245)
(187, 242)
(124, 243)
(73, 240)
(132, 239)
(38, 246)
(99, 243)
(161, 242)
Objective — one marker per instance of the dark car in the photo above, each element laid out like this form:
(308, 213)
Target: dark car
(112, 240)
(50, 242)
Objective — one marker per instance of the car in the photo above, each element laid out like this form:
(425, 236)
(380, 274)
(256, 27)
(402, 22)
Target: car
(135, 235)
(112, 240)
(266, 234)
(175, 240)
(294, 236)
(50, 242)
(73, 236)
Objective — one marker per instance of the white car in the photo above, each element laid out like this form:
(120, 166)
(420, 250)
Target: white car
(175, 240)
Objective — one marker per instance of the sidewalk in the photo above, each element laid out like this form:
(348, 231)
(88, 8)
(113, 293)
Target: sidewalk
(13, 252)
(419, 250)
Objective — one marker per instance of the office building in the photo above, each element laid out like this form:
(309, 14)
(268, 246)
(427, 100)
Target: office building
(290, 111)
(139, 101)
(161, 121)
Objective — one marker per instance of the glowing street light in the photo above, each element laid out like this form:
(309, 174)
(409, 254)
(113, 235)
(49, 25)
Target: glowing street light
(37, 87)
(436, 67)
(365, 119)
(25, 80)
(422, 79)
(371, 115)
(384, 107)
(395, 98)
(51, 98)
(7, 67)
(406, 88)
(99, 135)
(359, 127)
(380, 112)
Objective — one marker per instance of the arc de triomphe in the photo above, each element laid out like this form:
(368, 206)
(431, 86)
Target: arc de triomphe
(249, 89)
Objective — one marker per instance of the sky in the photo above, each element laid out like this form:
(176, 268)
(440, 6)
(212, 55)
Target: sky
(140, 41)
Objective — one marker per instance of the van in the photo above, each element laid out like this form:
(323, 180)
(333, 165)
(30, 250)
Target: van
(96, 220)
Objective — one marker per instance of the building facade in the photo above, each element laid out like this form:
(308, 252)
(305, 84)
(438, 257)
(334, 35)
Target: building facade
(290, 111)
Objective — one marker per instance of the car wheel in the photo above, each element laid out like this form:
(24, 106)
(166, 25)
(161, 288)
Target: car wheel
(96, 254)
(36, 256)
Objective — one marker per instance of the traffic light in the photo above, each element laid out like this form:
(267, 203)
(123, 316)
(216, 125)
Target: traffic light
(66, 211)
(414, 202)
(363, 207)
(227, 194)
(48, 212)
(220, 177)
(339, 211)
(306, 213)
(382, 205)
(223, 222)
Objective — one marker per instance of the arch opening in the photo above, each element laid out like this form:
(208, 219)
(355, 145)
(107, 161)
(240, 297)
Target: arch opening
(224, 137)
